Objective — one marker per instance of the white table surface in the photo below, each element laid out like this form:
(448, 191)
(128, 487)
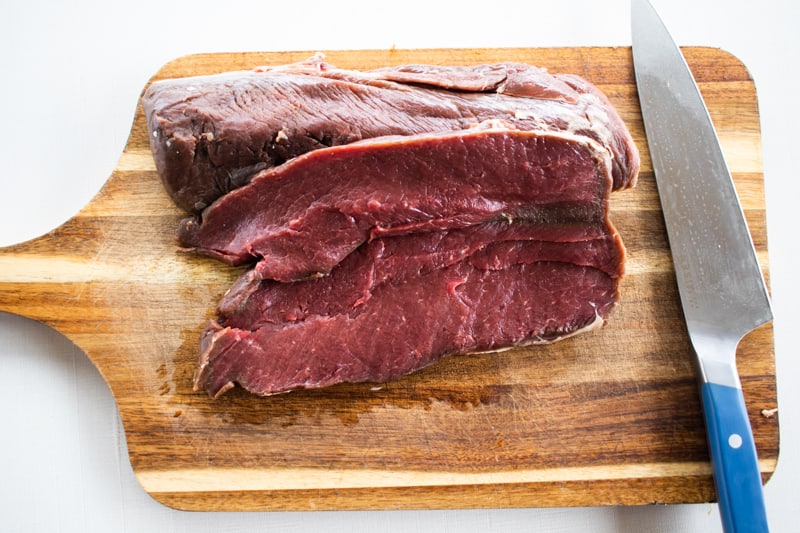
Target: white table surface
(72, 73)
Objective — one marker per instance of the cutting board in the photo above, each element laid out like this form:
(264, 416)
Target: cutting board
(606, 418)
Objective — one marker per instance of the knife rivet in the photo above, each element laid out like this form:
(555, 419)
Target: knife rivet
(735, 441)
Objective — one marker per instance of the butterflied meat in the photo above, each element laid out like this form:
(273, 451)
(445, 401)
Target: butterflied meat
(398, 304)
(301, 219)
(392, 217)
(212, 134)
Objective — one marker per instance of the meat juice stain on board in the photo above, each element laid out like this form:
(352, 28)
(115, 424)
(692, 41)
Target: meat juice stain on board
(175, 377)
(517, 406)
(430, 388)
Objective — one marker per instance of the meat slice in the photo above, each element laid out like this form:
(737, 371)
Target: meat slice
(398, 304)
(252, 302)
(212, 134)
(301, 219)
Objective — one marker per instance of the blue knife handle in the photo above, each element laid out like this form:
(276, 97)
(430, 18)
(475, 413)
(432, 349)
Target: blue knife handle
(733, 454)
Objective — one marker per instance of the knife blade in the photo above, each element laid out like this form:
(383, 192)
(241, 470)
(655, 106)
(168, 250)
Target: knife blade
(722, 290)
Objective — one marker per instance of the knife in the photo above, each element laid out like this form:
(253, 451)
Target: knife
(721, 287)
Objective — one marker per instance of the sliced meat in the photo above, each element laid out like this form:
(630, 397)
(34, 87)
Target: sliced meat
(301, 219)
(253, 302)
(212, 134)
(398, 304)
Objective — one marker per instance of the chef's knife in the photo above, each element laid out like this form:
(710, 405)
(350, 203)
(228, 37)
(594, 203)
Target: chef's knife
(721, 287)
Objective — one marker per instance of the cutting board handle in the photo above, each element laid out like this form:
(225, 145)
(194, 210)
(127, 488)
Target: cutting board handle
(113, 253)
(43, 278)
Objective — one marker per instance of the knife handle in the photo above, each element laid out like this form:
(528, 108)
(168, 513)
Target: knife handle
(733, 454)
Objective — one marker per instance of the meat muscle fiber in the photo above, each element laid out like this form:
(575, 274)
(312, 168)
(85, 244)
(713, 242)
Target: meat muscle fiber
(301, 219)
(212, 134)
(398, 304)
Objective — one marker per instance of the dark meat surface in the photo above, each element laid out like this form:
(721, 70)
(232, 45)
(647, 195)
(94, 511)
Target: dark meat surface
(301, 219)
(398, 304)
(210, 135)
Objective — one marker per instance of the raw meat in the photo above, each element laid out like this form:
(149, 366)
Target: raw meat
(398, 304)
(212, 134)
(393, 217)
(301, 219)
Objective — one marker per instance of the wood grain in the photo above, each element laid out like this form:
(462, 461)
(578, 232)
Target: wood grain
(611, 417)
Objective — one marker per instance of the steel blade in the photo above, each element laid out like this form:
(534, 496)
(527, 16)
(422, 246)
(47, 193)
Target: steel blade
(721, 286)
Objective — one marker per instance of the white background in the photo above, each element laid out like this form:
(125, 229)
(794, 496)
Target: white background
(71, 76)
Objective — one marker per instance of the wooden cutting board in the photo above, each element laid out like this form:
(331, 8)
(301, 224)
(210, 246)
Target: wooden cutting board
(610, 417)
